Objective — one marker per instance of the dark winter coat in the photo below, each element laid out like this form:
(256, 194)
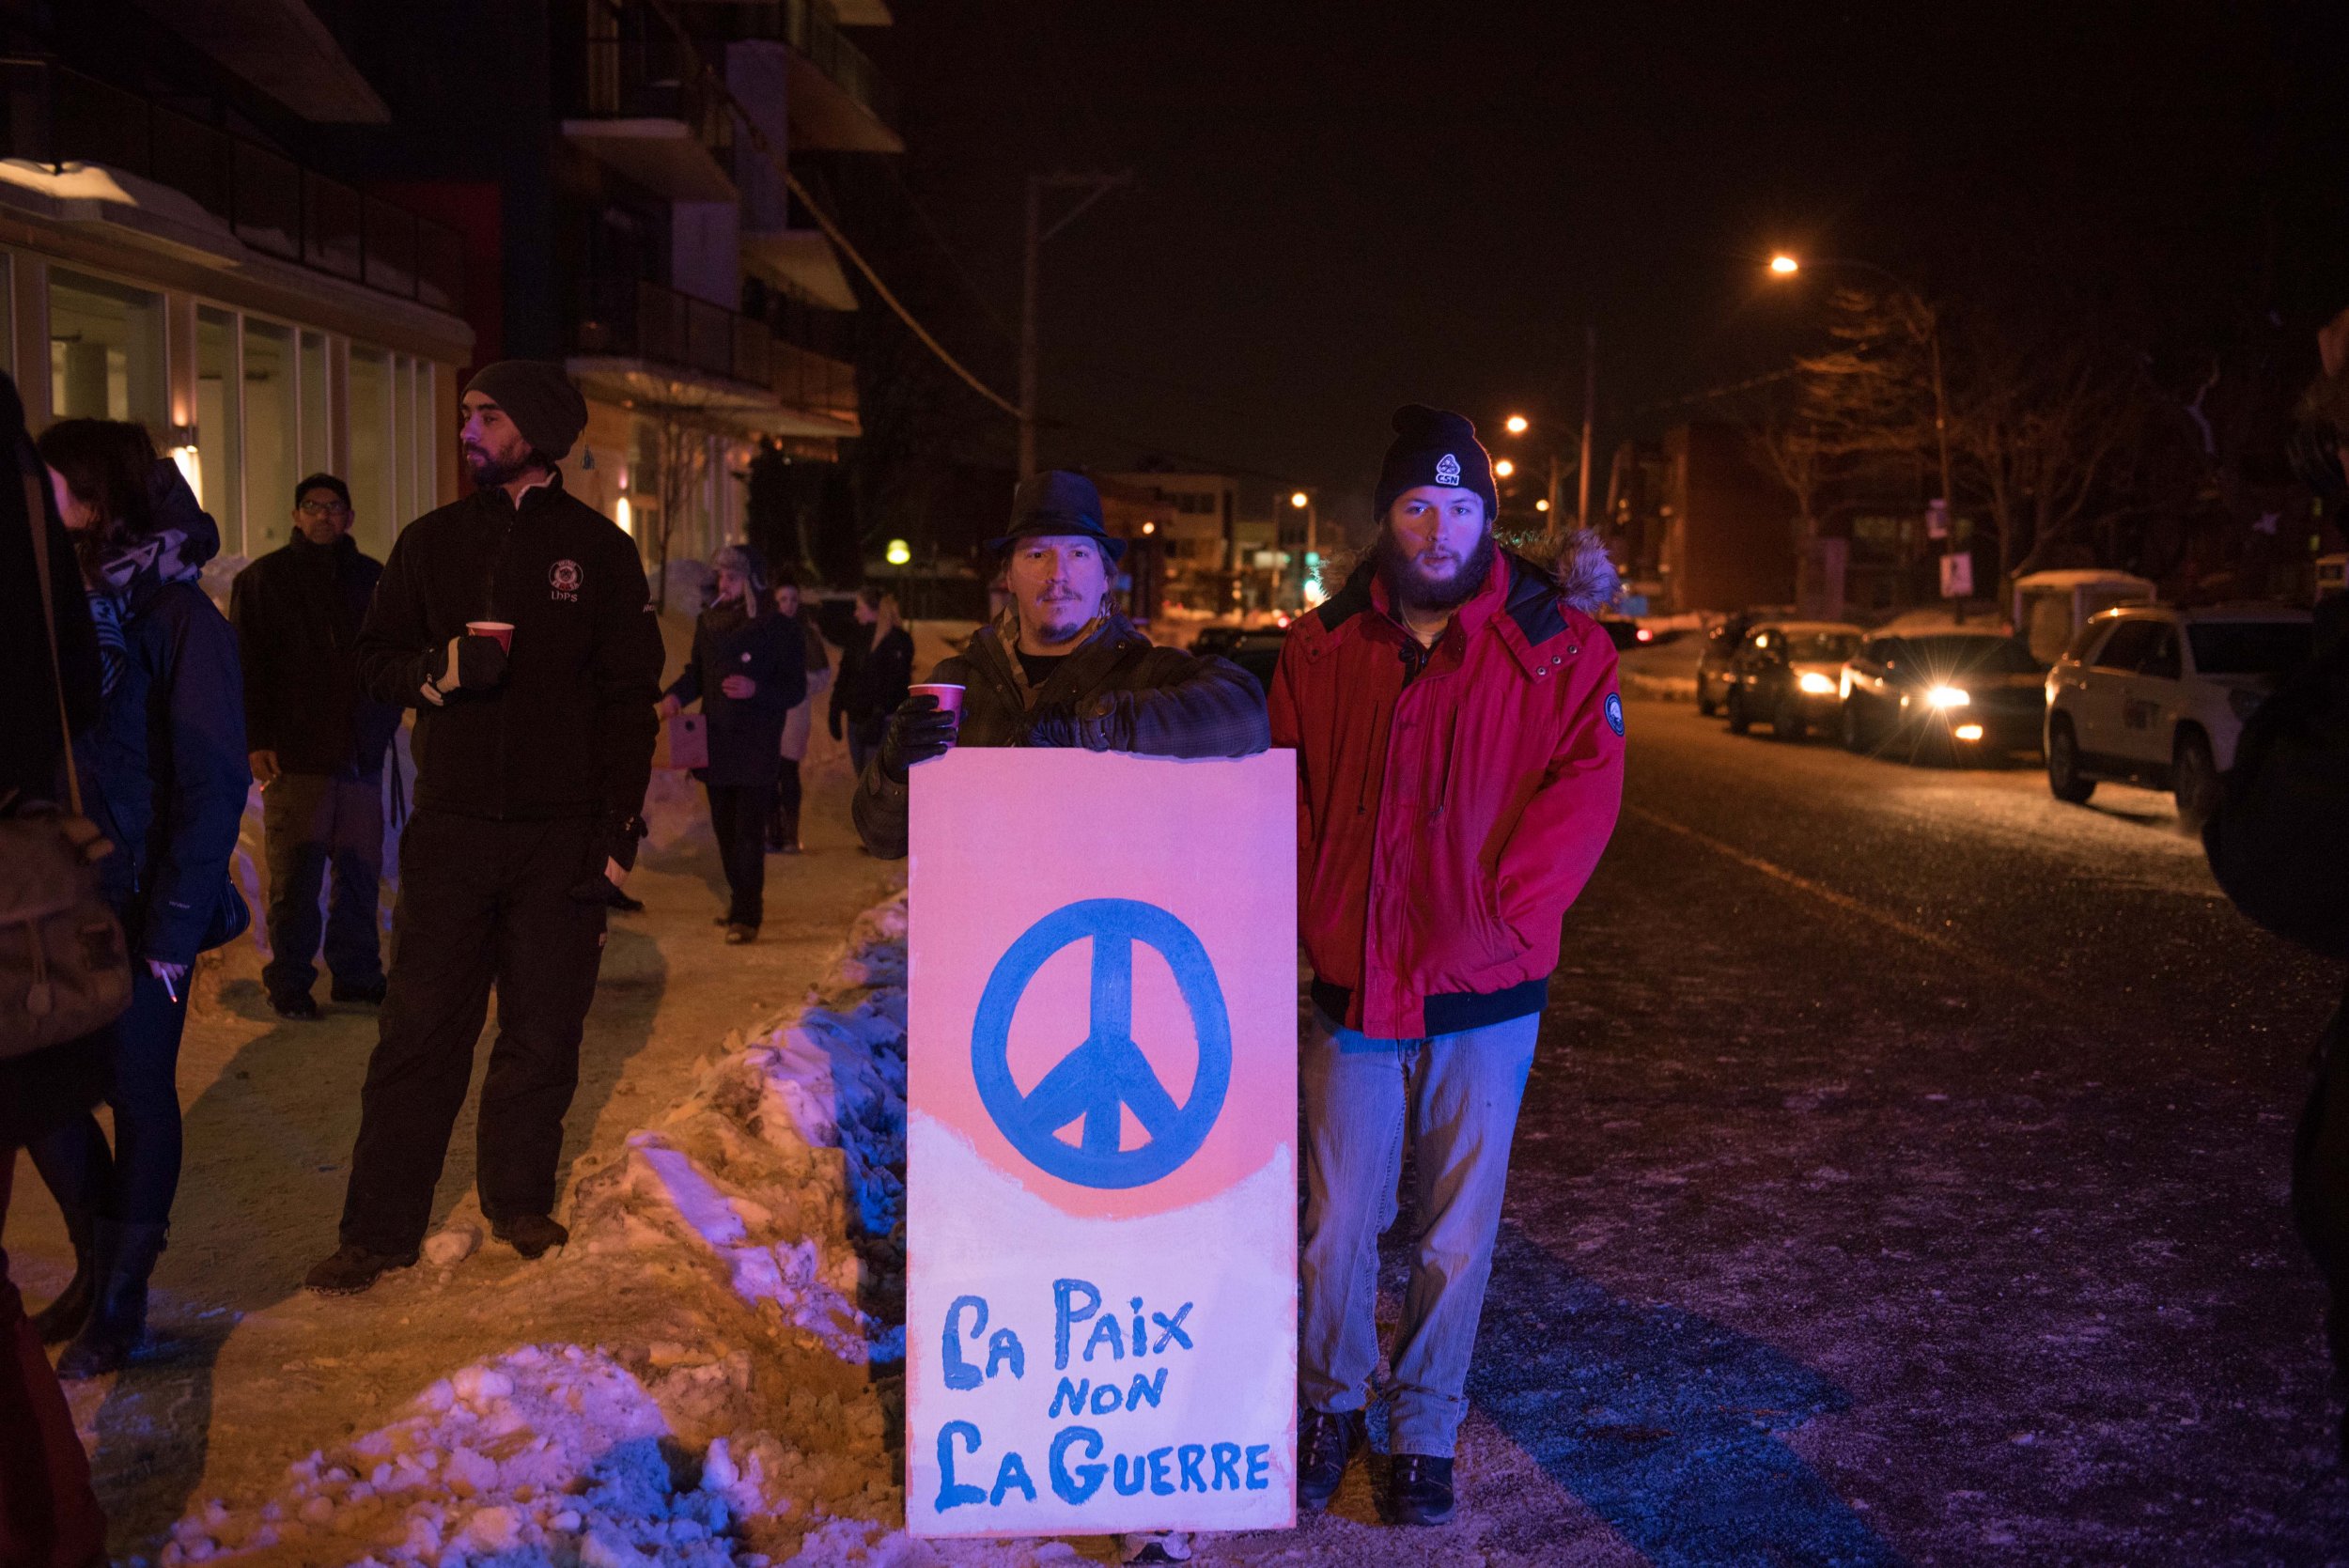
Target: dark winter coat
(873, 679)
(41, 1091)
(745, 732)
(570, 731)
(298, 611)
(1117, 692)
(1450, 802)
(164, 773)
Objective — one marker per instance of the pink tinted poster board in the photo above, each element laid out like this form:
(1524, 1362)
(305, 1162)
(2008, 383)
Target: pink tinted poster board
(1101, 1204)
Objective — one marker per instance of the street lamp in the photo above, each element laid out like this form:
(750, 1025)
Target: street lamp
(1784, 266)
(900, 553)
(1515, 424)
(1299, 499)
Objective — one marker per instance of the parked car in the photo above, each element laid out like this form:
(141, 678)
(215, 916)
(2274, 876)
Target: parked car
(2154, 695)
(1785, 674)
(1943, 695)
(1720, 646)
(1258, 653)
(1625, 633)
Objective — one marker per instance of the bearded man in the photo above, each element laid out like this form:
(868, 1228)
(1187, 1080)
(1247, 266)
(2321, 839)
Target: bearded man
(1060, 667)
(1459, 764)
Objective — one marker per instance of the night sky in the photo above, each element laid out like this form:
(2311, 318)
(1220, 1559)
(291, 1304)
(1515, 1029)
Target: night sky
(1338, 208)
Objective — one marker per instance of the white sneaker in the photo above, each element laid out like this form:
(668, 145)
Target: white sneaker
(1153, 1547)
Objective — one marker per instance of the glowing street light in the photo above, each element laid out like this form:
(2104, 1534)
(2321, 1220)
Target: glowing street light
(900, 553)
(1784, 265)
(1300, 500)
(1504, 468)
(1542, 505)
(1515, 425)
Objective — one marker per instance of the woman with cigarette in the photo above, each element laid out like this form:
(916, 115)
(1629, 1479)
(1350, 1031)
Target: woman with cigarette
(165, 775)
(748, 670)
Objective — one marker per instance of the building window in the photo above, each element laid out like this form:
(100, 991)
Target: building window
(375, 453)
(105, 350)
(271, 434)
(318, 451)
(219, 416)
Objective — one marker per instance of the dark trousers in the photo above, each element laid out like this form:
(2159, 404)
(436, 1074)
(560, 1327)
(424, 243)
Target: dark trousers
(737, 814)
(134, 1181)
(2320, 1183)
(315, 823)
(782, 827)
(864, 739)
(481, 904)
(49, 1516)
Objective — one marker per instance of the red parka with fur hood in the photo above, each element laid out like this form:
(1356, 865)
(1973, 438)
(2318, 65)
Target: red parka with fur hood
(1451, 800)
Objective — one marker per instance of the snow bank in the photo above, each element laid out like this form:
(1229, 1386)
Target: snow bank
(769, 1203)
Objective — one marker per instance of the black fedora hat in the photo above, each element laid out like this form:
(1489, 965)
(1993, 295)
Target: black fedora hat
(1061, 505)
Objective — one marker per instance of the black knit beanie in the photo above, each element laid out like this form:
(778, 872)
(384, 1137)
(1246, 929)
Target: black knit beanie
(1435, 446)
(540, 400)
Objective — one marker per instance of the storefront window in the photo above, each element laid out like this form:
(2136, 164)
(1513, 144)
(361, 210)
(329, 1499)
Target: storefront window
(271, 434)
(105, 350)
(318, 453)
(375, 456)
(219, 414)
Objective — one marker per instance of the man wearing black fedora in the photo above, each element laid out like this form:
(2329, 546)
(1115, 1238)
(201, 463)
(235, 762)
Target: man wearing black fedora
(1060, 667)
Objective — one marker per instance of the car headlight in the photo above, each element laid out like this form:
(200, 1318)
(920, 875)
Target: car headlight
(1967, 732)
(1815, 684)
(1948, 697)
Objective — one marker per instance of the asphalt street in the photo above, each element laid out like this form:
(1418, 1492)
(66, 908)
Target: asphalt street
(1901, 1180)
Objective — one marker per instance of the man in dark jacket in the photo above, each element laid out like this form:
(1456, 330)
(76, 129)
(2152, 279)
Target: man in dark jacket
(1459, 763)
(317, 742)
(532, 763)
(1061, 668)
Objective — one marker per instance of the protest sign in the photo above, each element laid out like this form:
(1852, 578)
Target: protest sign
(1101, 1206)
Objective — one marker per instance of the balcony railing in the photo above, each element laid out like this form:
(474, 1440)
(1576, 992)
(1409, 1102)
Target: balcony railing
(55, 116)
(808, 27)
(654, 79)
(650, 321)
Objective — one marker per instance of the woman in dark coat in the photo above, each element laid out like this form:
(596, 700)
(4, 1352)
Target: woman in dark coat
(48, 1513)
(748, 670)
(873, 679)
(164, 776)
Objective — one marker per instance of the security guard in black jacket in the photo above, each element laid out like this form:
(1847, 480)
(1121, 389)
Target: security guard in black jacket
(534, 745)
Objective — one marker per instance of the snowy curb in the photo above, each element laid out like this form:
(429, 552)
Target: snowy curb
(774, 1193)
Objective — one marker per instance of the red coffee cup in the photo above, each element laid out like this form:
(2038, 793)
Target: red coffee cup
(949, 695)
(502, 630)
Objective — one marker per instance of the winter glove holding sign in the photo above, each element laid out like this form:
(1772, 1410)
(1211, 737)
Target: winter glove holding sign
(918, 731)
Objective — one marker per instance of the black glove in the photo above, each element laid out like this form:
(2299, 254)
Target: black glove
(615, 841)
(1050, 725)
(918, 731)
(480, 664)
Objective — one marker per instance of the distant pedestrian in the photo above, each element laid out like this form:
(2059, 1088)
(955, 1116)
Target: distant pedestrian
(1459, 752)
(164, 777)
(318, 744)
(783, 823)
(49, 1516)
(748, 672)
(518, 625)
(874, 675)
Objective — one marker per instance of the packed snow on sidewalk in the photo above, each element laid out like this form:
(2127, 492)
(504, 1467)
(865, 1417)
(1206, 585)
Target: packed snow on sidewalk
(770, 1205)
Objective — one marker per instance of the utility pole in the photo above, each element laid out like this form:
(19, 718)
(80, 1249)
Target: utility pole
(1096, 186)
(1589, 417)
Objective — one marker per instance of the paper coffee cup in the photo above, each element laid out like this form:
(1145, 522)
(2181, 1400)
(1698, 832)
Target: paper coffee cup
(502, 630)
(949, 696)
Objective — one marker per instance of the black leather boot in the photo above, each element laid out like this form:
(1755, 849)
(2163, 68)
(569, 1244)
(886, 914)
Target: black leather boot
(63, 1318)
(117, 1321)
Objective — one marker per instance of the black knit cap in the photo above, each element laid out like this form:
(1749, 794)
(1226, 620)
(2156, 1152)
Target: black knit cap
(540, 400)
(1435, 446)
(1058, 503)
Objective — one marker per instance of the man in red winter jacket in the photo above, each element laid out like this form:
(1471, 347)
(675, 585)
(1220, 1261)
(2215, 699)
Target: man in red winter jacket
(1459, 764)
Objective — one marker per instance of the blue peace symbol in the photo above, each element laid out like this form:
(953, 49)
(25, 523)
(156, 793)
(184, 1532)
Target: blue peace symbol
(1107, 1073)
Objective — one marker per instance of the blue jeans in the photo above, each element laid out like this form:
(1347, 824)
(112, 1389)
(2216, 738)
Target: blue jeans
(1457, 1097)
